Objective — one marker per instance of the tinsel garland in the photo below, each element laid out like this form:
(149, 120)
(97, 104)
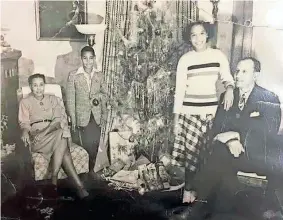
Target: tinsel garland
(142, 75)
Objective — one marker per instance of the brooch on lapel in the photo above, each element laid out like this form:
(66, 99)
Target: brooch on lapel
(254, 114)
(95, 102)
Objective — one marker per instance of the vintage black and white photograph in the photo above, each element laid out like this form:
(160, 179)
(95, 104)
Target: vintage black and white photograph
(142, 109)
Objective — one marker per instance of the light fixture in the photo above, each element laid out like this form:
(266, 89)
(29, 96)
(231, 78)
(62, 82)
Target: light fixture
(91, 30)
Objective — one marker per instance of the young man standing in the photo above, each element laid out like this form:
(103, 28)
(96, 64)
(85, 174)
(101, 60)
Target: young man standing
(86, 103)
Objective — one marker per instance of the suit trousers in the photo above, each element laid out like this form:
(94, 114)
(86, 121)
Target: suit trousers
(89, 138)
(221, 170)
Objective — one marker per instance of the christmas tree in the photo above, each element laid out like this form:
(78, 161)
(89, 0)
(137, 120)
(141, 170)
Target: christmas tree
(145, 81)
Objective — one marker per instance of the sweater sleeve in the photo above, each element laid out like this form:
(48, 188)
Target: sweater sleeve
(225, 73)
(180, 85)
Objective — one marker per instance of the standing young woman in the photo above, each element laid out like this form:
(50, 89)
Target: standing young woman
(196, 98)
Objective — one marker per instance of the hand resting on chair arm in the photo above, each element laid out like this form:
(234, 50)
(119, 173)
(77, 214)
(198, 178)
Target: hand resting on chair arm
(227, 136)
(25, 137)
(53, 126)
(232, 140)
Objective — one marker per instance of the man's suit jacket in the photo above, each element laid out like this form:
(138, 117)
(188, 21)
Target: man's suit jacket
(258, 124)
(80, 98)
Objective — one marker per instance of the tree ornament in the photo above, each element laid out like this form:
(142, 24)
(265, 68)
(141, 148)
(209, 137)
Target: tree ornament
(131, 139)
(140, 30)
(157, 32)
(147, 43)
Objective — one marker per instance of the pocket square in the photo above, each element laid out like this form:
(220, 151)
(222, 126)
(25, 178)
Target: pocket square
(254, 114)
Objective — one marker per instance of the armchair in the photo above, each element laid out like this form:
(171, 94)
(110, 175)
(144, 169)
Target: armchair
(79, 154)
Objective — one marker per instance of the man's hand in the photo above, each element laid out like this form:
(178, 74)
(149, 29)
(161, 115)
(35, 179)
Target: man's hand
(236, 148)
(189, 196)
(25, 138)
(226, 136)
(228, 98)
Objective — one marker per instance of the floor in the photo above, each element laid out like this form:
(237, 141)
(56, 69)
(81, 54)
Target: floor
(104, 203)
(107, 203)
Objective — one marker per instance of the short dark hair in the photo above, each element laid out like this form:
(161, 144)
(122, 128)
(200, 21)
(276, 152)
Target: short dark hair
(87, 49)
(257, 64)
(34, 76)
(206, 25)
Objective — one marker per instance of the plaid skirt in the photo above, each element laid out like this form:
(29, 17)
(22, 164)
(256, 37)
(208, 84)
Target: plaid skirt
(191, 140)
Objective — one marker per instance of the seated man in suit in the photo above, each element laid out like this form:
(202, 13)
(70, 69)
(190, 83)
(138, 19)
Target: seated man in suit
(86, 103)
(244, 138)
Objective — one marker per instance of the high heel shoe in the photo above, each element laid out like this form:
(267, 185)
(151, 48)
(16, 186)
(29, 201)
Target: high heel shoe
(82, 193)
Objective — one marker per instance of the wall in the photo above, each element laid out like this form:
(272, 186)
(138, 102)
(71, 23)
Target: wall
(267, 44)
(268, 47)
(52, 58)
(42, 56)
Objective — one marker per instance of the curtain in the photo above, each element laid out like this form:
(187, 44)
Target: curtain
(242, 36)
(235, 41)
(117, 17)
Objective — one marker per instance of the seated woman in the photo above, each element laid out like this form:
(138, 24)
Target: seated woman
(43, 121)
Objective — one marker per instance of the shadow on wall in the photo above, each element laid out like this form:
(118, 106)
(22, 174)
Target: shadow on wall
(26, 69)
(66, 63)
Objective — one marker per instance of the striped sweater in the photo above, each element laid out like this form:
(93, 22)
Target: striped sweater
(197, 75)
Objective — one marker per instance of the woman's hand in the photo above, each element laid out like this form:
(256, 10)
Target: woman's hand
(228, 98)
(39, 136)
(53, 126)
(25, 138)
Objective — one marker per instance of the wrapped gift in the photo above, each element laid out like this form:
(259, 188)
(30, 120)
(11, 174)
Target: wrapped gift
(121, 146)
(126, 179)
(153, 177)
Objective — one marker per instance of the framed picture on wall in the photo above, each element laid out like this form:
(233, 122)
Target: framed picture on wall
(56, 20)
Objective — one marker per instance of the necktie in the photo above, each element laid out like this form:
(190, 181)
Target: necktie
(242, 101)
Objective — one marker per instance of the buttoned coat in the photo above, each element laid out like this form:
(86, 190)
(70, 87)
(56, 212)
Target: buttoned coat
(80, 98)
(258, 124)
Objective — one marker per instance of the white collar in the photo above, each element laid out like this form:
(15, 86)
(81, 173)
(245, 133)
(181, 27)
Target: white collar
(81, 70)
(246, 92)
